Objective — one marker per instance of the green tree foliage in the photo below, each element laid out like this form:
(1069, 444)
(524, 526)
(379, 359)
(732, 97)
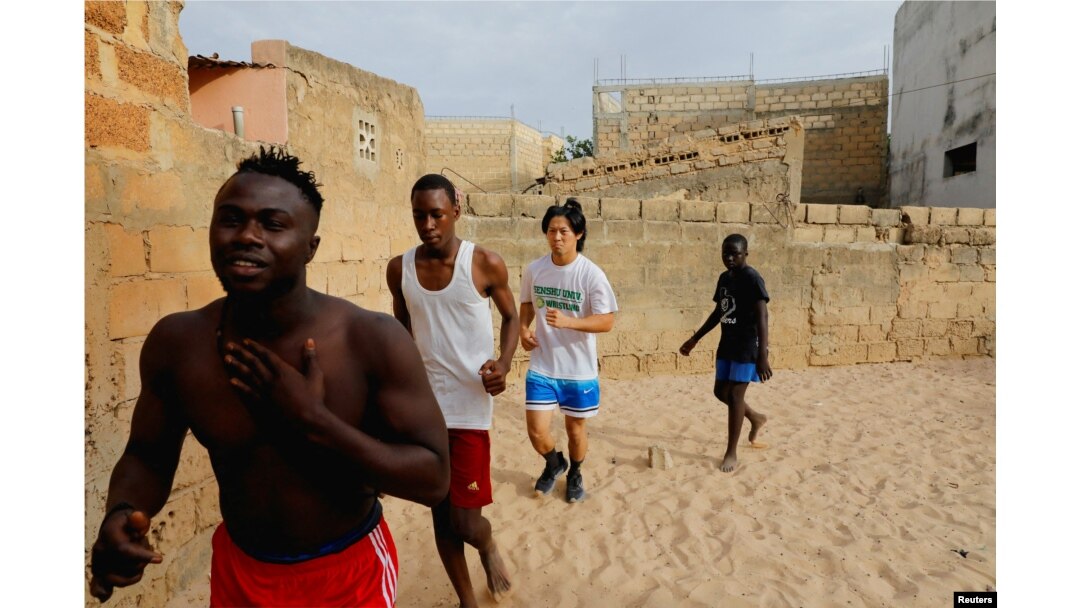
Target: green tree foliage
(575, 148)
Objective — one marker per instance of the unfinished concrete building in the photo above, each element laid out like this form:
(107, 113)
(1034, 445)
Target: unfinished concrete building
(752, 162)
(845, 120)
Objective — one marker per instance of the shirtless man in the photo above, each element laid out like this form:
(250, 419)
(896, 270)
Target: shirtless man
(308, 406)
(442, 292)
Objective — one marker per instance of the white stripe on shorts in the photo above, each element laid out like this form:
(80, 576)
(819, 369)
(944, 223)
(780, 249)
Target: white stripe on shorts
(389, 575)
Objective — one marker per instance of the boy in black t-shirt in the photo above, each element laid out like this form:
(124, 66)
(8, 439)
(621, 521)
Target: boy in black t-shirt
(743, 354)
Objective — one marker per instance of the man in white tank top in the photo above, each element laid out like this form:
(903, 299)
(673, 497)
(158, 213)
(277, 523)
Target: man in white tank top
(442, 291)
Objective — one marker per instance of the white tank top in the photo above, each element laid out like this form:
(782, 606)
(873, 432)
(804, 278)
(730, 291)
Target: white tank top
(453, 331)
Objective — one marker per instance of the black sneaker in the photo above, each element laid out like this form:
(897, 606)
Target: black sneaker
(546, 482)
(575, 491)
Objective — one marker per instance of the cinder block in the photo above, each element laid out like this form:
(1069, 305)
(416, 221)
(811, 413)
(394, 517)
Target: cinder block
(911, 309)
(943, 216)
(631, 231)
(854, 214)
(531, 206)
(152, 74)
(809, 233)
(881, 352)
(930, 235)
(179, 249)
(910, 348)
(918, 216)
(934, 328)
(990, 217)
(619, 366)
(342, 279)
(822, 214)
(942, 310)
(987, 256)
(663, 231)
(798, 213)
(964, 255)
(845, 354)
(737, 213)
(855, 315)
(972, 272)
(839, 234)
(661, 363)
(660, 210)
(938, 347)
(762, 213)
(201, 289)
(885, 217)
(135, 306)
(966, 216)
(620, 209)
(697, 211)
(866, 234)
(872, 333)
(127, 256)
(984, 236)
(490, 205)
(701, 232)
(956, 235)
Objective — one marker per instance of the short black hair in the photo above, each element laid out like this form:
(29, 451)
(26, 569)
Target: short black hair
(571, 210)
(277, 162)
(435, 181)
(736, 239)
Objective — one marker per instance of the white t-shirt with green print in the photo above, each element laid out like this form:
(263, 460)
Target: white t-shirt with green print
(579, 289)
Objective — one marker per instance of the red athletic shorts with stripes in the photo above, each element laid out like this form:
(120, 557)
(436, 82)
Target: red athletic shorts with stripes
(362, 574)
(470, 468)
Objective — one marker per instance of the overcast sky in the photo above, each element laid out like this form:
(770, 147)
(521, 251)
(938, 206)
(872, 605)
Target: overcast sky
(479, 58)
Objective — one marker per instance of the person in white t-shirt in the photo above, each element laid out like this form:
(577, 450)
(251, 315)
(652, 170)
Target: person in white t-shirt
(572, 301)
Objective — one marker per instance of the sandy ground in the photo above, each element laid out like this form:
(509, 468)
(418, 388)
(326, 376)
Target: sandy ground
(877, 489)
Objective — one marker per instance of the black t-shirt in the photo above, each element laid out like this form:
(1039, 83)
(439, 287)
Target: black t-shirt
(737, 293)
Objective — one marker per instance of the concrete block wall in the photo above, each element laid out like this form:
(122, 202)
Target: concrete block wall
(845, 119)
(151, 174)
(496, 154)
(846, 138)
(749, 161)
(367, 216)
(849, 284)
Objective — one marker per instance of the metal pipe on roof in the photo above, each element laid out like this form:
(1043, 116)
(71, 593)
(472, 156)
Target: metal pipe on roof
(238, 120)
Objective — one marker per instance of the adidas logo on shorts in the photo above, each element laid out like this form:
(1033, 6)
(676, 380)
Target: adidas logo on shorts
(472, 486)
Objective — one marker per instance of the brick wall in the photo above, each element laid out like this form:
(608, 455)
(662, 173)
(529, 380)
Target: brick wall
(845, 121)
(849, 284)
(496, 154)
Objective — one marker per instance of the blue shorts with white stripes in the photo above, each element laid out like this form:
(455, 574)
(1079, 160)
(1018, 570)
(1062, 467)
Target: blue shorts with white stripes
(578, 398)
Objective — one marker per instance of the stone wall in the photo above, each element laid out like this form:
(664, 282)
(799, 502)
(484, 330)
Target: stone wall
(494, 154)
(849, 284)
(151, 175)
(745, 162)
(845, 119)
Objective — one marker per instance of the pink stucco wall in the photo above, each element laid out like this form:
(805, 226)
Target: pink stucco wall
(260, 91)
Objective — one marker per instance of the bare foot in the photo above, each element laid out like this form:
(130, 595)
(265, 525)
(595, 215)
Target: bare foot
(729, 464)
(756, 422)
(498, 579)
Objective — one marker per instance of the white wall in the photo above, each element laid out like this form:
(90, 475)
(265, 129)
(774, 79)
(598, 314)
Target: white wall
(937, 43)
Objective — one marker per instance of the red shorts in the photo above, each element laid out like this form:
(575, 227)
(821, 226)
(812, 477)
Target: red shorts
(470, 468)
(362, 574)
